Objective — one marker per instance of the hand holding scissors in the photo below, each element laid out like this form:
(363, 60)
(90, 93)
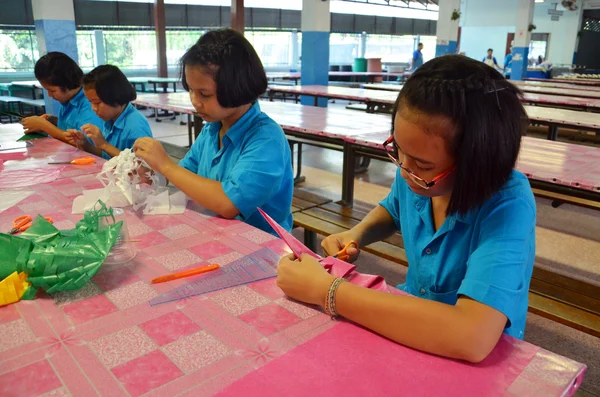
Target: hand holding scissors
(22, 223)
(343, 255)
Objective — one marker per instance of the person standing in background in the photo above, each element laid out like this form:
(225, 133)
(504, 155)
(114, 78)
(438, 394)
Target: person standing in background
(417, 58)
(490, 59)
(508, 63)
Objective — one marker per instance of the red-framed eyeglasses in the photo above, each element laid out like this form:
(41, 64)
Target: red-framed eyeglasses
(391, 148)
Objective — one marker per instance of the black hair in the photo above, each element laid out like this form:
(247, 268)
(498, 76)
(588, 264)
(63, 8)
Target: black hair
(56, 68)
(420, 44)
(490, 49)
(235, 65)
(110, 84)
(488, 119)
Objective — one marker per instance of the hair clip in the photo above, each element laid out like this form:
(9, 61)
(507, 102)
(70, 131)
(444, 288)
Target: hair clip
(495, 90)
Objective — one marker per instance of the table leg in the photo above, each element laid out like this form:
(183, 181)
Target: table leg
(310, 240)
(271, 95)
(316, 100)
(198, 122)
(189, 125)
(348, 175)
(298, 178)
(552, 132)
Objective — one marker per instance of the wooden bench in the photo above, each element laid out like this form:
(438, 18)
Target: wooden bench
(562, 299)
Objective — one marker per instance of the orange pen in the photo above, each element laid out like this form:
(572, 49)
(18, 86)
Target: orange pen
(185, 273)
(79, 161)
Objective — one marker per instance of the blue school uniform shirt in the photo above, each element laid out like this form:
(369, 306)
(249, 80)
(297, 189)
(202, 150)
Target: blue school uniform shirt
(123, 132)
(77, 112)
(486, 254)
(254, 167)
(417, 59)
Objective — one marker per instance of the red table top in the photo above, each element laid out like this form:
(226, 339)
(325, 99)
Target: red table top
(570, 81)
(105, 339)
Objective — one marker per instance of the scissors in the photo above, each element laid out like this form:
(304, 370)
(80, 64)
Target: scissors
(78, 161)
(23, 223)
(343, 255)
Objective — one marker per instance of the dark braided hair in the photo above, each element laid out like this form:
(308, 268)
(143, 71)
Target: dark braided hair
(234, 64)
(488, 117)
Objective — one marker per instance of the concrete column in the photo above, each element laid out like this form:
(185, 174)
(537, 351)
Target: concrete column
(55, 31)
(161, 38)
(237, 15)
(362, 45)
(522, 38)
(295, 50)
(99, 47)
(447, 29)
(316, 25)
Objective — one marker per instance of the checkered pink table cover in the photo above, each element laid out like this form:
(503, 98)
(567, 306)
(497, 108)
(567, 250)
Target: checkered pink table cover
(555, 162)
(105, 339)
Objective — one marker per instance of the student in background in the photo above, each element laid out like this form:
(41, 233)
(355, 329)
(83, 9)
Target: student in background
(467, 219)
(508, 63)
(490, 59)
(62, 78)
(241, 160)
(417, 58)
(110, 94)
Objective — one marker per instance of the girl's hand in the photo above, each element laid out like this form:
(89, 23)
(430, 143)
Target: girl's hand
(304, 279)
(74, 138)
(35, 123)
(152, 152)
(94, 133)
(336, 242)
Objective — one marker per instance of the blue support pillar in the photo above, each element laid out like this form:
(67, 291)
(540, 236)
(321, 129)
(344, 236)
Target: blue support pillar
(55, 31)
(316, 24)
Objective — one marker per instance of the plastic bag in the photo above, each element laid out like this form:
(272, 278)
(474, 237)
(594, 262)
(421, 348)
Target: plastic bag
(58, 260)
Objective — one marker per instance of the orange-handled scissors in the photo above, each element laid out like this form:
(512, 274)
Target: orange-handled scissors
(343, 255)
(79, 161)
(23, 223)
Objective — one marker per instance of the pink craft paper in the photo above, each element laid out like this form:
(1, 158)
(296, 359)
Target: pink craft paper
(325, 367)
(22, 178)
(296, 246)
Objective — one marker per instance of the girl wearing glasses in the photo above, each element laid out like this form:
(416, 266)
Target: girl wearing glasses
(466, 216)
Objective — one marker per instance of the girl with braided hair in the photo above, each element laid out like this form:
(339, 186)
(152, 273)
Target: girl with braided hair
(241, 160)
(466, 215)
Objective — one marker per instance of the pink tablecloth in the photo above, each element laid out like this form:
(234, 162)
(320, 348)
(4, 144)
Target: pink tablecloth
(105, 339)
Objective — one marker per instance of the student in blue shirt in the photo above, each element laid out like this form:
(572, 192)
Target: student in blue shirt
(417, 58)
(508, 63)
(62, 78)
(466, 216)
(110, 94)
(241, 160)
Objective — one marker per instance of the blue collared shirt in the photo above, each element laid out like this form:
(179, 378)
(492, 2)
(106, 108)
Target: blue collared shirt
(254, 167)
(77, 112)
(129, 126)
(417, 59)
(487, 254)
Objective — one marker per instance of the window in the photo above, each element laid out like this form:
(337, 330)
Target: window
(131, 49)
(390, 48)
(178, 42)
(18, 50)
(343, 48)
(86, 49)
(273, 47)
(538, 47)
